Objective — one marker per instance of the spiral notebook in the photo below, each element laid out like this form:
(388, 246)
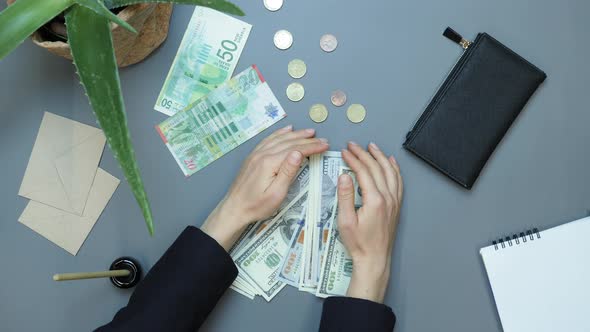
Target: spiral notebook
(541, 279)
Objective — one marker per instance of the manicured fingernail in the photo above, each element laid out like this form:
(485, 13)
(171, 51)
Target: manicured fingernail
(323, 140)
(353, 143)
(295, 158)
(344, 180)
(289, 127)
(310, 131)
(374, 146)
(393, 160)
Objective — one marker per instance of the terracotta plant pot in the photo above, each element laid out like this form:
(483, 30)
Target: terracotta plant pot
(150, 20)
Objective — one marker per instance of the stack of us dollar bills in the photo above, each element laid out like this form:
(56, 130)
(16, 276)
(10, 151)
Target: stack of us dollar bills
(211, 114)
(300, 245)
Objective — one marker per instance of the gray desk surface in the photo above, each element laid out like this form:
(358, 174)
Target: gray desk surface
(391, 58)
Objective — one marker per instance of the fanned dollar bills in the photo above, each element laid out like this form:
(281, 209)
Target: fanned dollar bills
(300, 245)
(206, 58)
(219, 122)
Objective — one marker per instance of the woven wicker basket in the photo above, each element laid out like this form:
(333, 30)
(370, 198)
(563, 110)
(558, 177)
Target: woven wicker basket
(150, 20)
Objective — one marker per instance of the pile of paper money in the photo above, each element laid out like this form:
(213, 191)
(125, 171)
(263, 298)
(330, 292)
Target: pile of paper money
(300, 245)
(67, 189)
(212, 114)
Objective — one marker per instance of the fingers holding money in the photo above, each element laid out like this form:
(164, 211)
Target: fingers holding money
(374, 168)
(289, 137)
(366, 182)
(347, 217)
(285, 175)
(273, 136)
(307, 146)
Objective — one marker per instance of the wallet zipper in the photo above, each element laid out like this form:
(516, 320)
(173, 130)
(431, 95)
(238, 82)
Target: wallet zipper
(466, 45)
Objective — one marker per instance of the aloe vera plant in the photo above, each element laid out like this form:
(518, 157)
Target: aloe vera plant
(89, 36)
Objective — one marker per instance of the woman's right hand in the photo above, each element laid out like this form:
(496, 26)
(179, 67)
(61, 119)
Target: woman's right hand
(368, 233)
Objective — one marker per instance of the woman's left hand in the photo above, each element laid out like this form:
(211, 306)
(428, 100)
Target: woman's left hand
(262, 183)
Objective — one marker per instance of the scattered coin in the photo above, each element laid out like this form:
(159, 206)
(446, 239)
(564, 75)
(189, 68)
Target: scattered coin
(356, 113)
(295, 92)
(273, 5)
(338, 98)
(283, 39)
(328, 43)
(318, 113)
(297, 68)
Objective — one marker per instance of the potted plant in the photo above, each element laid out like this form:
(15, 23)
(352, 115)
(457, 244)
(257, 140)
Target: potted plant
(89, 36)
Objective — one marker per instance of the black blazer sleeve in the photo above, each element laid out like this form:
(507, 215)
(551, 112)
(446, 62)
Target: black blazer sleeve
(343, 314)
(181, 289)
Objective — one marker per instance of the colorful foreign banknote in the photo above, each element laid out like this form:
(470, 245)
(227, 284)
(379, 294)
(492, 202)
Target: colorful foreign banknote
(216, 124)
(206, 58)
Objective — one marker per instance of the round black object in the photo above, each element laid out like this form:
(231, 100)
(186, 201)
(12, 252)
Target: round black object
(130, 264)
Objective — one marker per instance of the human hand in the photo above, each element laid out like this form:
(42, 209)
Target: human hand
(262, 183)
(368, 233)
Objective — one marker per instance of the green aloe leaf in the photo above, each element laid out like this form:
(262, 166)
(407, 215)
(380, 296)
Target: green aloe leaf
(21, 19)
(90, 39)
(221, 5)
(99, 8)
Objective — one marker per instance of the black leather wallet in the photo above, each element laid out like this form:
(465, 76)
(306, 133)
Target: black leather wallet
(474, 107)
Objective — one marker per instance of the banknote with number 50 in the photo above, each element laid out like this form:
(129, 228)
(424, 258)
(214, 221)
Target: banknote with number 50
(206, 58)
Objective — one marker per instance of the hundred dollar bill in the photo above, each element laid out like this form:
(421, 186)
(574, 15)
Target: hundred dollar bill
(216, 124)
(331, 164)
(337, 265)
(260, 261)
(308, 277)
(206, 58)
(325, 172)
(289, 271)
(300, 184)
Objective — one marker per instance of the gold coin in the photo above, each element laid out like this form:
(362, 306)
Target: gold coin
(297, 68)
(295, 92)
(338, 98)
(318, 113)
(356, 113)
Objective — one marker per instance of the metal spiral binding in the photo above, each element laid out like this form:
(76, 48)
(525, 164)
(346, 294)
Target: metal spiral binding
(508, 241)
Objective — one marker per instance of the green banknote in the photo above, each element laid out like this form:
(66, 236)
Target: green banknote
(206, 58)
(337, 264)
(216, 124)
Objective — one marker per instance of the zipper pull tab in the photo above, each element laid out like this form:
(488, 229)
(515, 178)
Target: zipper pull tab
(457, 38)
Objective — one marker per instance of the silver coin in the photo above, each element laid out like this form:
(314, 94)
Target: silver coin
(273, 5)
(295, 92)
(283, 39)
(338, 98)
(328, 43)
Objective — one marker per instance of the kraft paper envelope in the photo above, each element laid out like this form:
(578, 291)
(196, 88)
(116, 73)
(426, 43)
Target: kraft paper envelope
(68, 230)
(63, 163)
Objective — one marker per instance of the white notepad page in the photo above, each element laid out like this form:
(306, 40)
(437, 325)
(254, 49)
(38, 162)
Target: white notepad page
(544, 284)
